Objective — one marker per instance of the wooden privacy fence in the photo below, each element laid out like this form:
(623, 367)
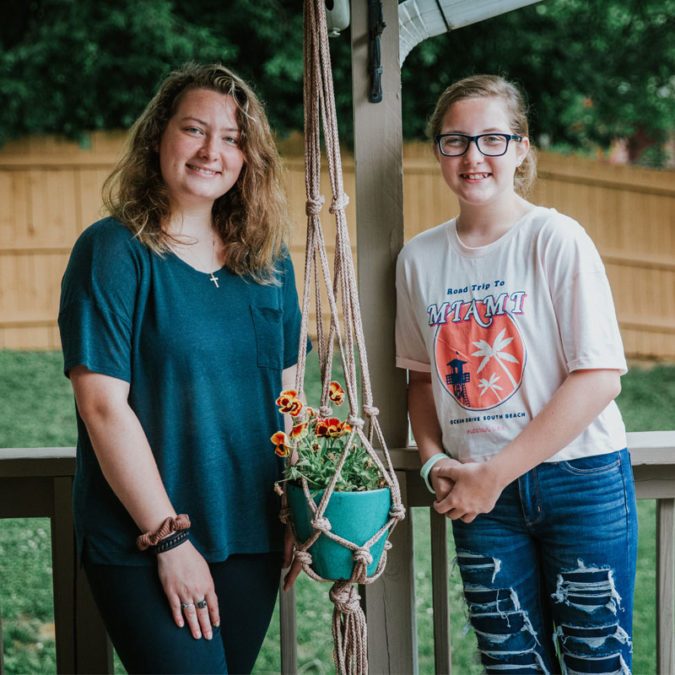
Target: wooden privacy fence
(50, 191)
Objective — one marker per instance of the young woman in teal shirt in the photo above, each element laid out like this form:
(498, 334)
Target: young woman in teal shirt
(179, 321)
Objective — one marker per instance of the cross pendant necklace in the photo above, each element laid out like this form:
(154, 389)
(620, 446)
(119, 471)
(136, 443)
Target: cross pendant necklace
(213, 277)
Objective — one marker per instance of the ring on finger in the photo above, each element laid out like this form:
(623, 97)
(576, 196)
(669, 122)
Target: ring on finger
(185, 605)
(202, 604)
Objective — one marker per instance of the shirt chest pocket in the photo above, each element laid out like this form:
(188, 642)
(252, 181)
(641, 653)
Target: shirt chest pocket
(269, 336)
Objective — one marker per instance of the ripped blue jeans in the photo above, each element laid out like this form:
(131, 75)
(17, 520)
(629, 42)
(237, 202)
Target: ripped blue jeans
(549, 573)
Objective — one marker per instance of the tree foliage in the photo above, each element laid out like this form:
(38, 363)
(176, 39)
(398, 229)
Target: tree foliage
(594, 71)
(69, 66)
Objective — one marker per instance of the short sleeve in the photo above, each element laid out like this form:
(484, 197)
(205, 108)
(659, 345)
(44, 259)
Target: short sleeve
(583, 301)
(98, 295)
(291, 313)
(411, 350)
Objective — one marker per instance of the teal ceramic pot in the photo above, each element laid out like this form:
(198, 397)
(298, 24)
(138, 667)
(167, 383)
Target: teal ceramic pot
(355, 516)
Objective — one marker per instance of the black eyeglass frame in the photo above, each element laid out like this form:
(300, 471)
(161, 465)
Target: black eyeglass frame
(469, 139)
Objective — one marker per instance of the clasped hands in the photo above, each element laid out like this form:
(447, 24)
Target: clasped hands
(464, 490)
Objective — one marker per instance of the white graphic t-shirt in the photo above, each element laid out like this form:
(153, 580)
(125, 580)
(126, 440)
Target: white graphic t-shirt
(501, 326)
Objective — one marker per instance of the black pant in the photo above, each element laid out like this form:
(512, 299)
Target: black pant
(137, 616)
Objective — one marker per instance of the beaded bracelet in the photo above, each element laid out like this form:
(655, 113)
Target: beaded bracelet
(428, 465)
(173, 540)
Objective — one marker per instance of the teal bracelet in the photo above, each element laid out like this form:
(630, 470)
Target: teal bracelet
(428, 465)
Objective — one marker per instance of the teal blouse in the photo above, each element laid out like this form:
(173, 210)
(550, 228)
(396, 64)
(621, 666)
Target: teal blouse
(204, 366)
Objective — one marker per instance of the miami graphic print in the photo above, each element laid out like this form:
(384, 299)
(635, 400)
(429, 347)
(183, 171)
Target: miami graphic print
(479, 351)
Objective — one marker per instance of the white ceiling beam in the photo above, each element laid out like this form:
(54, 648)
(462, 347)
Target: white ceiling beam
(421, 19)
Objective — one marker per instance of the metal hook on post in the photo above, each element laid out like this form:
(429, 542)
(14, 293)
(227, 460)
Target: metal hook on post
(376, 25)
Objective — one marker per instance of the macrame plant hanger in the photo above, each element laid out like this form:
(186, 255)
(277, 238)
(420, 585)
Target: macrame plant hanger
(349, 625)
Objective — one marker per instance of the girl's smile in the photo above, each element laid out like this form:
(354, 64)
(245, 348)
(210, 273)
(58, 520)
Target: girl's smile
(199, 152)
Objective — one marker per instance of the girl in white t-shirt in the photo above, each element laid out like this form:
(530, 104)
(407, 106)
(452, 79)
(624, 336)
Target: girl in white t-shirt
(506, 324)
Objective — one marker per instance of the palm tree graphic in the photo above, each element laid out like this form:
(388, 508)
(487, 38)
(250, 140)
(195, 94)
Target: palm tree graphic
(490, 385)
(496, 350)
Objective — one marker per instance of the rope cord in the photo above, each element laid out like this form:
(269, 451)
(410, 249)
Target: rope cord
(349, 625)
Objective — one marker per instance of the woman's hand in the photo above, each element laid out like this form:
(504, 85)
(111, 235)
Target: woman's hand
(440, 481)
(187, 582)
(475, 489)
(290, 560)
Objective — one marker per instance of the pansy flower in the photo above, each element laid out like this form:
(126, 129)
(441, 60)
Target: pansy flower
(336, 393)
(298, 430)
(286, 397)
(283, 445)
(334, 427)
(289, 402)
(321, 428)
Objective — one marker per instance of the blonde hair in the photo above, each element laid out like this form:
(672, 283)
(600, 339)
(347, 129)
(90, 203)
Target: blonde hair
(478, 86)
(251, 218)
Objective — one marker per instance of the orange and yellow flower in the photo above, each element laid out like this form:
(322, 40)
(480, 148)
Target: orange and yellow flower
(315, 444)
(334, 427)
(298, 430)
(286, 396)
(321, 428)
(283, 445)
(289, 402)
(336, 393)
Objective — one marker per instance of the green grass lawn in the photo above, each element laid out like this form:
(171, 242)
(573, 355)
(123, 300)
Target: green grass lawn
(37, 410)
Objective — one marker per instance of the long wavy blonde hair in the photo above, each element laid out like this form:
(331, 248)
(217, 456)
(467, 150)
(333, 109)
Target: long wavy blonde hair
(251, 218)
(478, 86)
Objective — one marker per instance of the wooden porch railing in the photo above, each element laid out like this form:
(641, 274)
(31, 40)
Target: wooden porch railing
(38, 482)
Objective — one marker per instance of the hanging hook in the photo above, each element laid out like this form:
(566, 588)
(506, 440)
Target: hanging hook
(376, 25)
(337, 16)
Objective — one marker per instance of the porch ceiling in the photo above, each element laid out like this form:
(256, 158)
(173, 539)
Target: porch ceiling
(421, 19)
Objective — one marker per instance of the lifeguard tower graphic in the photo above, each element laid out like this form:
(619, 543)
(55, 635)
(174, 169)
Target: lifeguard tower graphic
(480, 364)
(457, 379)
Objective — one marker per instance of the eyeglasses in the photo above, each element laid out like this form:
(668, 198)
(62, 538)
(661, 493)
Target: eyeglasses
(490, 145)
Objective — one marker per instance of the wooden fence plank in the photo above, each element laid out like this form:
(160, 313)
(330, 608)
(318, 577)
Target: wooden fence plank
(50, 191)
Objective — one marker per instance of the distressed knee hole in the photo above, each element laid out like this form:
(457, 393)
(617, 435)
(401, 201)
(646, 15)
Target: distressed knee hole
(591, 640)
(499, 600)
(513, 662)
(588, 589)
(477, 568)
(612, 664)
(593, 649)
(513, 630)
(506, 638)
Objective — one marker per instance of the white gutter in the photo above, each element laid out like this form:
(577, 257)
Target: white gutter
(421, 19)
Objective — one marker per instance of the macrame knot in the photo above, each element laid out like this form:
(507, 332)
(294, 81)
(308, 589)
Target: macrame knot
(345, 598)
(285, 514)
(321, 524)
(325, 411)
(304, 557)
(363, 556)
(355, 422)
(339, 203)
(397, 511)
(313, 206)
(371, 410)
